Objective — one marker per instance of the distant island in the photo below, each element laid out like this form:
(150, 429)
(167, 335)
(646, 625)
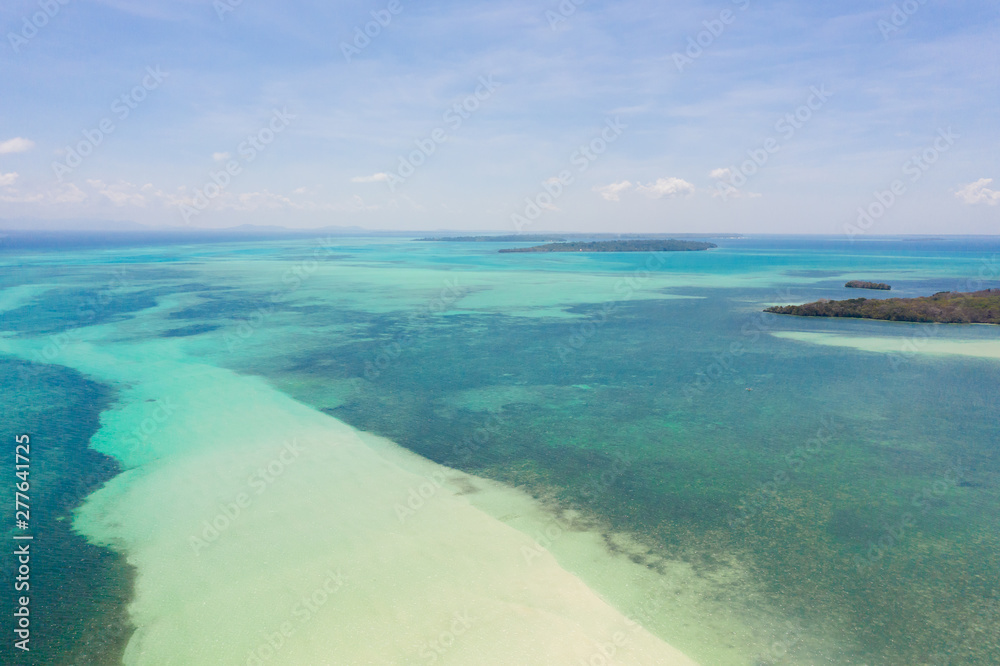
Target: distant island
(494, 239)
(946, 307)
(858, 284)
(620, 246)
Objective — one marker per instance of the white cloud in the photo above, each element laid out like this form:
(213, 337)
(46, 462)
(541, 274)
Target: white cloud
(120, 193)
(68, 193)
(977, 192)
(220, 157)
(666, 187)
(611, 192)
(300, 190)
(374, 178)
(725, 191)
(16, 145)
(21, 198)
(226, 200)
(258, 200)
(415, 205)
(663, 187)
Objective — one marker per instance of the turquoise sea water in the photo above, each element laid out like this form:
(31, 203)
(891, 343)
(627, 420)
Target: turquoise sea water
(80, 590)
(840, 504)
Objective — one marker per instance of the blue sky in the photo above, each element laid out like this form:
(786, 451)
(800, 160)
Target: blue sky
(251, 112)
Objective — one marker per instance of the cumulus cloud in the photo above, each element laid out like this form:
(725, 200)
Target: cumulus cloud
(611, 192)
(67, 194)
(374, 178)
(724, 188)
(663, 187)
(122, 193)
(250, 201)
(220, 157)
(978, 192)
(95, 193)
(666, 187)
(16, 145)
(725, 191)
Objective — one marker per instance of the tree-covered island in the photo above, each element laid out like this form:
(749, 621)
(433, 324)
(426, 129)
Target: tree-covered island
(494, 239)
(860, 284)
(670, 245)
(946, 307)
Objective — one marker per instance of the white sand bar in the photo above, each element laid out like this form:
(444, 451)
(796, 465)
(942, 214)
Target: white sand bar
(900, 346)
(265, 532)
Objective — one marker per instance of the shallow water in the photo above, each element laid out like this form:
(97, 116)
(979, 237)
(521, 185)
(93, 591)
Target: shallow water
(78, 591)
(843, 510)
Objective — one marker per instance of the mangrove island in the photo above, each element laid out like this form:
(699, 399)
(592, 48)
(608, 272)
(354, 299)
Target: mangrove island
(494, 239)
(945, 307)
(858, 284)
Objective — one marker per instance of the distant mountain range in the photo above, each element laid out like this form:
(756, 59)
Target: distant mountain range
(87, 225)
(645, 245)
(35, 224)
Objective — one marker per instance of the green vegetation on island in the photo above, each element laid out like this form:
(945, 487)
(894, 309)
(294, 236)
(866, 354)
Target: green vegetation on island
(671, 245)
(946, 307)
(494, 239)
(859, 284)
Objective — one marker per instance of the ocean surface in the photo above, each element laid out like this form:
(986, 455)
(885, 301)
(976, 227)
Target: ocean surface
(222, 429)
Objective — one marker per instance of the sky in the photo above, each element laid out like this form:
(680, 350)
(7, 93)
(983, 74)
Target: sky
(856, 118)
